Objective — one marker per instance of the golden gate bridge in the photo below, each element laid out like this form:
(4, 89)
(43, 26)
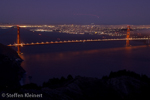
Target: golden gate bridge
(127, 39)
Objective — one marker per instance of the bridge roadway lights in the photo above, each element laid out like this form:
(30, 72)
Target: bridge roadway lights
(72, 41)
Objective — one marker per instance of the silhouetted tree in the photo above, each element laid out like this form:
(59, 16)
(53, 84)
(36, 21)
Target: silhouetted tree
(69, 77)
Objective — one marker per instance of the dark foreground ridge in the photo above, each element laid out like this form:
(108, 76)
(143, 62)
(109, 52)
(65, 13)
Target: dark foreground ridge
(10, 69)
(121, 85)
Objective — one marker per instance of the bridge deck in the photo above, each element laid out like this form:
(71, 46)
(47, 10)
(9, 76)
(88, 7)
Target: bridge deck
(74, 41)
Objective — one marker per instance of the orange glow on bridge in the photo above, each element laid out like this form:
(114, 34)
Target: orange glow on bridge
(77, 41)
(18, 39)
(128, 36)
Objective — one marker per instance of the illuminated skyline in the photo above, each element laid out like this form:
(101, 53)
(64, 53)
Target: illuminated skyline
(75, 11)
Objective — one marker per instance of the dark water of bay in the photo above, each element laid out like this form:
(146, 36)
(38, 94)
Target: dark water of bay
(91, 59)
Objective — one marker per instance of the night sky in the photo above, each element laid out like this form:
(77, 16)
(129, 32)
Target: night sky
(75, 11)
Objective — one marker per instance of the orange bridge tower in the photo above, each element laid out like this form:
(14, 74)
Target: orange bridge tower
(18, 39)
(128, 36)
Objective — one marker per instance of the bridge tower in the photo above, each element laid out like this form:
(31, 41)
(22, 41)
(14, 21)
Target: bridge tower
(18, 39)
(128, 36)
